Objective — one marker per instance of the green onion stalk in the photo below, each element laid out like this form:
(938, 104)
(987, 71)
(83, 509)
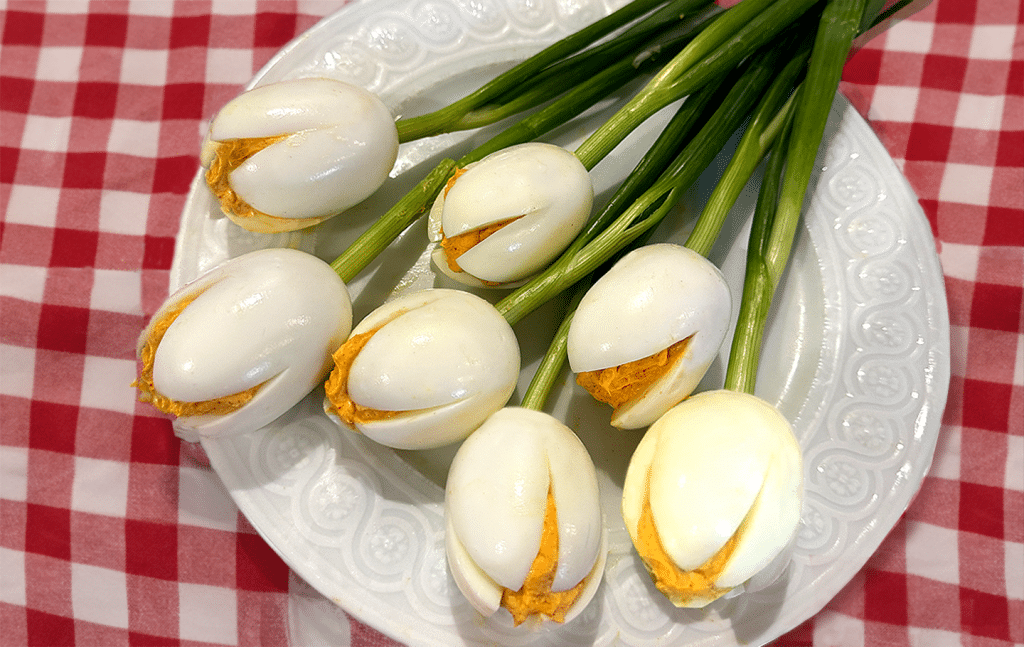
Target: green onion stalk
(783, 190)
(765, 137)
(551, 365)
(554, 69)
(615, 229)
(569, 105)
(719, 46)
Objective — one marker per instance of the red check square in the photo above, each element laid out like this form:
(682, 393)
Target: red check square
(151, 549)
(48, 531)
(23, 28)
(106, 30)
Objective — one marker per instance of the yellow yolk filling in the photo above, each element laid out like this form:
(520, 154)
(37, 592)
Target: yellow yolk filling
(458, 245)
(336, 387)
(617, 385)
(535, 596)
(679, 586)
(147, 390)
(231, 154)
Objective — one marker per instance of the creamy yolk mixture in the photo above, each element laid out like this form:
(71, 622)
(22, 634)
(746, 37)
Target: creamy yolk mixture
(458, 245)
(336, 387)
(231, 154)
(617, 385)
(536, 597)
(148, 392)
(679, 586)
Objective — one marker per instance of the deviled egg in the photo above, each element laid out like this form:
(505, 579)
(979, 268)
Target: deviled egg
(647, 331)
(291, 154)
(712, 497)
(243, 343)
(506, 217)
(523, 523)
(424, 370)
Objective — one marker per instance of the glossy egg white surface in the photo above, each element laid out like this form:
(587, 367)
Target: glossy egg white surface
(444, 357)
(272, 316)
(545, 184)
(652, 298)
(342, 145)
(715, 461)
(495, 502)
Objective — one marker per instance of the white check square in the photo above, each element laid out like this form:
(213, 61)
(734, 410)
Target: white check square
(106, 384)
(833, 628)
(150, 8)
(992, 42)
(920, 637)
(25, 282)
(49, 134)
(933, 552)
(1014, 465)
(205, 501)
(960, 261)
(946, 464)
(122, 212)
(117, 291)
(100, 487)
(132, 137)
(234, 7)
(33, 205)
(12, 576)
(230, 66)
(14, 473)
(144, 66)
(910, 36)
(894, 103)
(966, 184)
(19, 365)
(1014, 566)
(208, 614)
(99, 595)
(61, 63)
(979, 112)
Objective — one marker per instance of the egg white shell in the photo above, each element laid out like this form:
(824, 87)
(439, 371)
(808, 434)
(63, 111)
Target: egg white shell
(272, 315)
(445, 356)
(652, 298)
(342, 145)
(713, 461)
(545, 184)
(495, 501)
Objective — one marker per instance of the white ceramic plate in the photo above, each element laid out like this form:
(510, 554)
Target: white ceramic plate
(856, 356)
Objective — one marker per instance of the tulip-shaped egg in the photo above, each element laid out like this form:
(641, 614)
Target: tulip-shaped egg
(243, 343)
(523, 524)
(712, 497)
(647, 331)
(506, 217)
(291, 154)
(424, 370)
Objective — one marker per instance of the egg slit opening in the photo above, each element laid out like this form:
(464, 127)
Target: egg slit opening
(148, 391)
(228, 156)
(684, 588)
(535, 596)
(336, 386)
(618, 385)
(456, 246)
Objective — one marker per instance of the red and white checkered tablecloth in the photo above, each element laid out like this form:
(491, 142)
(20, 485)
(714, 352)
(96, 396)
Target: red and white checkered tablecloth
(114, 532)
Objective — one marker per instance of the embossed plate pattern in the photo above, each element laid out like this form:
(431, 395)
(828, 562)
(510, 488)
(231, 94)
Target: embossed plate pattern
(856, 356)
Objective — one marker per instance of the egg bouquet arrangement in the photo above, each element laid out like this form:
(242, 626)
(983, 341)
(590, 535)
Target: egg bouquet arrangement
(242, 344)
